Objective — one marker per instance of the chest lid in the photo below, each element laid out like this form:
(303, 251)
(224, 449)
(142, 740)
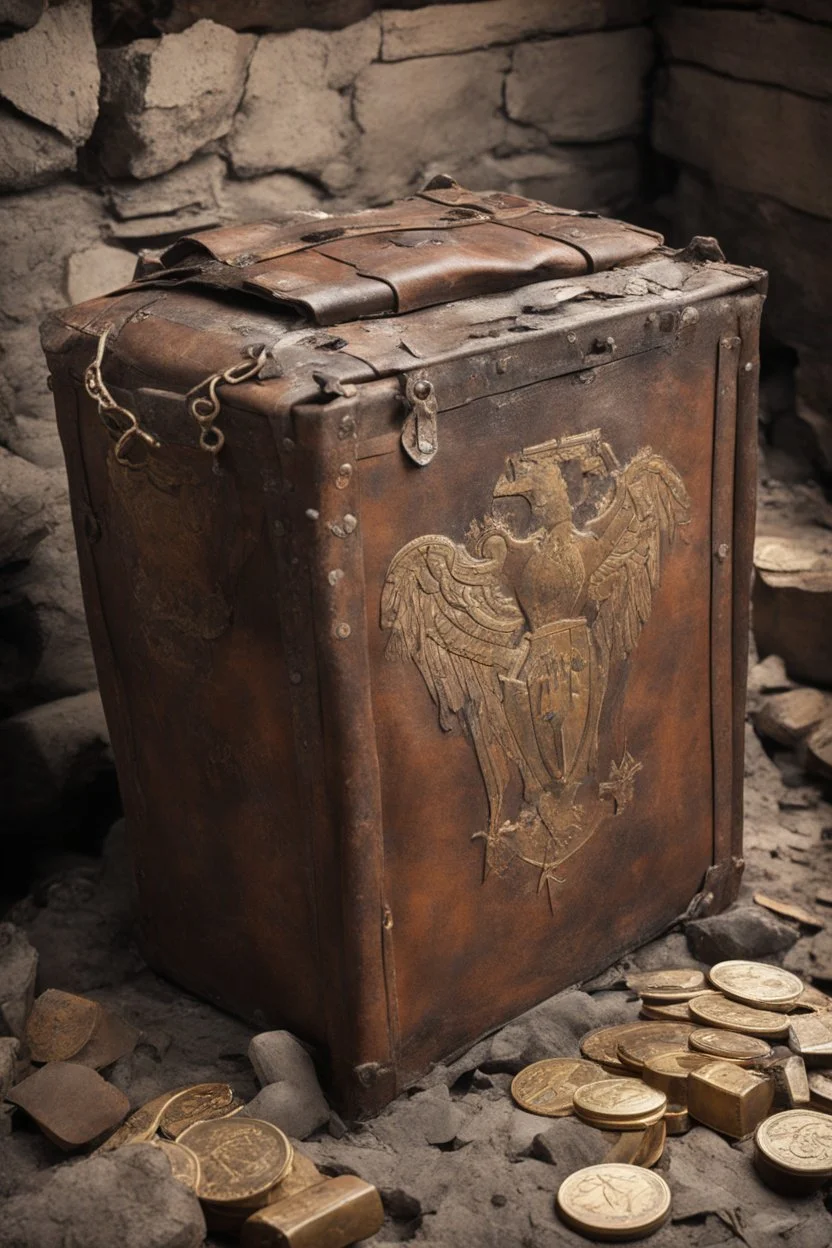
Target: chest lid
(439, 246)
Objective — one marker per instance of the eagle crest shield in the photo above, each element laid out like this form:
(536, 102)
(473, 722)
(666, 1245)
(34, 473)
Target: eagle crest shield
(518, 637)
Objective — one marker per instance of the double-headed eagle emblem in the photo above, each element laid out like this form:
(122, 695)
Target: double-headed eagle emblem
(518, 637)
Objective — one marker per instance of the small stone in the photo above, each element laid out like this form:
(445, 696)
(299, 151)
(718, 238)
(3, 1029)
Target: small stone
(30, 153)
(127, 1198)
(819, 750)
(18, 967)
(789, 717)
(98, 270)
(743, 932)
(9, 1049)
(71, 1104)
(277, 1057)
(570, 1145)
(430, 1117)
(297, 1111)
(769, 676)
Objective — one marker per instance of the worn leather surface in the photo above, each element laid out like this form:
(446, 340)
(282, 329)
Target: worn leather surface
(301, 818)
(440, 246)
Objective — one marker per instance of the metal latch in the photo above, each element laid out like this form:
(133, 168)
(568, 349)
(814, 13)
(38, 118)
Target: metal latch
(420, 433)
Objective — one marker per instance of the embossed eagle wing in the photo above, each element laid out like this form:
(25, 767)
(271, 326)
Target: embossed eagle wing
(448, 611)
(649, 505)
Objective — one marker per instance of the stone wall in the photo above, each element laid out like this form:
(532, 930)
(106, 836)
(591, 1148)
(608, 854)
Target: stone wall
(744, 108)
(124, 124)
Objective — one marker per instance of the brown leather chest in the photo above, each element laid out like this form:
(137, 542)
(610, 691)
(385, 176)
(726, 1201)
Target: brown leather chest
(416, 547)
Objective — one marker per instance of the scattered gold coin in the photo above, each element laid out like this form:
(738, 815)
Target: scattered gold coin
(184, 1164)
(601, 1046)
(793, 1150)
(142, 1124)
(619, 1104)
(241, 1159)
(59, 1025)
(651, 1040)
(810, 1035)
(757, 984)
(668, 985)
(195, 1104)
(547, 1087)
(716, 1010)
(730, 1046)
(673, 1012)
(640, 1148)
(614, 1201)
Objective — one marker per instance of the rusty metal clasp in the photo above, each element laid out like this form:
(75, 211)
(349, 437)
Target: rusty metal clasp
(420, 432)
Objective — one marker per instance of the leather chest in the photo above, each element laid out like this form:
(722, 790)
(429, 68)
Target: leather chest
(415, 547)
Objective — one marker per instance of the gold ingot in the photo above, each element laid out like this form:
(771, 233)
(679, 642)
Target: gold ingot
(677, 1120)
(810, 1036)
(791, 1085)
(601, 1046)
(228, 1218)
(667, 985)
(184, 1164)
(757, 984)
(729, 1046)
(332, 1214)
(793, 1151)
(729, 1099)
(640, 1148)
(669, 1073)
(197, 1103)
(613, 1202)
(142, 1125)
(59, 1025)
(619, 1104)
(675, 1012)
(820, 1091)
(547, 1087)
(651, 1040)
(715, 1010)
(240, 1158)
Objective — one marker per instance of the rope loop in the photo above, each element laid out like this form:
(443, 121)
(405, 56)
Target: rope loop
(205, 408)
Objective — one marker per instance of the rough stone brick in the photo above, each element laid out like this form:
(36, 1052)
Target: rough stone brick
(21, 14)
(594, 176)
(51, 71)
(427, 116)
(97, 270)
(759, 47)
(446, 28)
(294, 114)
(30, 154)
(266, 14)
(164, 99)
(275, 194)
(583, 88)
(195, 185)
(754, 138)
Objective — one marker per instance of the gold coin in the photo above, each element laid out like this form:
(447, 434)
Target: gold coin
(547, 1087)
(671, 1012)
(628, 1103)
(60, 1024)
(614, 1201)
(184, 1164)
(601, 1046)
(141, 1125)
(640, 1148)
(757, 983)
(797, 1140)
(717, 1011)
(668, 985)
(731, 1046)
(196, 1104)
(820, 1090)
(240, 1158)
(669, 1073)
(651, 1040)
(677, 1120)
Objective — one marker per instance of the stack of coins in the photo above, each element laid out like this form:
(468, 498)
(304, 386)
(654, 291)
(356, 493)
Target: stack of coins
(619, 1104)
(241, 1163)
(793, 1151)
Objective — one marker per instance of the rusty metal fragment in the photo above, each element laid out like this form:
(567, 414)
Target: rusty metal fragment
(72, 1105)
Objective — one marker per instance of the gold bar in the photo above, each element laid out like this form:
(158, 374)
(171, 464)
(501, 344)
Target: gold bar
(331, 1214)
(729, 1099)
